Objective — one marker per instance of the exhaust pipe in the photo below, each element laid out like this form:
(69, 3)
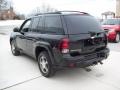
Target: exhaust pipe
(101, 62)
(95, 63)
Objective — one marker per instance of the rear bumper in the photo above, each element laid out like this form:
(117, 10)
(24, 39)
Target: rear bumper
(84, 60)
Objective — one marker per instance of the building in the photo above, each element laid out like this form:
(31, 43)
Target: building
(7, 14)
(117, 8)
(108, 15)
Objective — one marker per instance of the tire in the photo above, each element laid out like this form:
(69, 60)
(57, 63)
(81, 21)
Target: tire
(45, 65)
(117, 38)
(14, 51)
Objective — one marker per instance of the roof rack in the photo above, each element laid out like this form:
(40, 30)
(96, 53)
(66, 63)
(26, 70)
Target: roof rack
(63, 12)
(72, 12)
(47, 13)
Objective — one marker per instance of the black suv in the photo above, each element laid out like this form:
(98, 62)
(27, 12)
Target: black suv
(61, 39)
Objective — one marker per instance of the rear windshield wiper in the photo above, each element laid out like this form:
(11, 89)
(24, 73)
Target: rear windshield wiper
(93, 33)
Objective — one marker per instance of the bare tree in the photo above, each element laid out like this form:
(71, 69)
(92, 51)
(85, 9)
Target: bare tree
(3, 4)
(47, 8)
(42, 9)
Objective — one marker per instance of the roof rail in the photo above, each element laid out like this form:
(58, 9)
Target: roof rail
(62, 12)
(48, 13)
(72, 12)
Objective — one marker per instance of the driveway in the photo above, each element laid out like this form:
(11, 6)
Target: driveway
(22, 73)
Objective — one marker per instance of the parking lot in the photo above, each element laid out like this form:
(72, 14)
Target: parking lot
(22, 73)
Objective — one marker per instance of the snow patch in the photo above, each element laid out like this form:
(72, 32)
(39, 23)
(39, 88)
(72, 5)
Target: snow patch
(11, 22)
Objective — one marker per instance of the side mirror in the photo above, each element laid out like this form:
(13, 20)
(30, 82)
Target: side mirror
(16, 29)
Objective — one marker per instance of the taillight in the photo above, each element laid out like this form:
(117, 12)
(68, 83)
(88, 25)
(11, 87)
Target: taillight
(64, 45)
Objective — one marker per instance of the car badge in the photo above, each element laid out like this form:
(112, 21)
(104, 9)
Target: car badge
(92, 37)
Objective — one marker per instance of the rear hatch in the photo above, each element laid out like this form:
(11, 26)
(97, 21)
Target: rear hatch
(85, 34)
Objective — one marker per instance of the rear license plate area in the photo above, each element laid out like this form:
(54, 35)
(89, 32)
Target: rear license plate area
(91, 56)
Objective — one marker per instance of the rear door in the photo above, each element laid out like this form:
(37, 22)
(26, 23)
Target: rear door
(85, 33)
(32, 35)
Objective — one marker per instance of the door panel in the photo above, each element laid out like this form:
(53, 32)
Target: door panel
(21, 38)
(21, 42)
(30, 40)
(31, 36)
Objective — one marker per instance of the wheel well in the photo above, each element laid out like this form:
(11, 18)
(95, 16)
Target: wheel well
(38, 50)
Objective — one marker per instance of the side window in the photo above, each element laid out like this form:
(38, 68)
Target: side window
(26, 24)
(53, 25)
(40, 24)
(34, 24)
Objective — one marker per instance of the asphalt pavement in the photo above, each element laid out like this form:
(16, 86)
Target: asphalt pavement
(22, 73)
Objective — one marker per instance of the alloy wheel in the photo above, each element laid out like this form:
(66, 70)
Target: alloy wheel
(13, 47)
(43, 64)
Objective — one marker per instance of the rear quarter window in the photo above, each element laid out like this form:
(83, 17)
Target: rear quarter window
(53, 25)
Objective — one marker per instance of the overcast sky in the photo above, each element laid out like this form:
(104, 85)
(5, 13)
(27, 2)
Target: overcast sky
(94, 7)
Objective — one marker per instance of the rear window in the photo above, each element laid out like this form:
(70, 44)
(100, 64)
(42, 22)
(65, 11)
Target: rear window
(82, 24)
(111, 22)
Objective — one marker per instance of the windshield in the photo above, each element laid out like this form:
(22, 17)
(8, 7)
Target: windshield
(111, 22)
(82, 24)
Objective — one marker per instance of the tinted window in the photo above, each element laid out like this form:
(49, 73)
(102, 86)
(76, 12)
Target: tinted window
(34, 23)
(27, 24)
(53, 25)
(82, 24)
(40, 24)
(111, 22)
